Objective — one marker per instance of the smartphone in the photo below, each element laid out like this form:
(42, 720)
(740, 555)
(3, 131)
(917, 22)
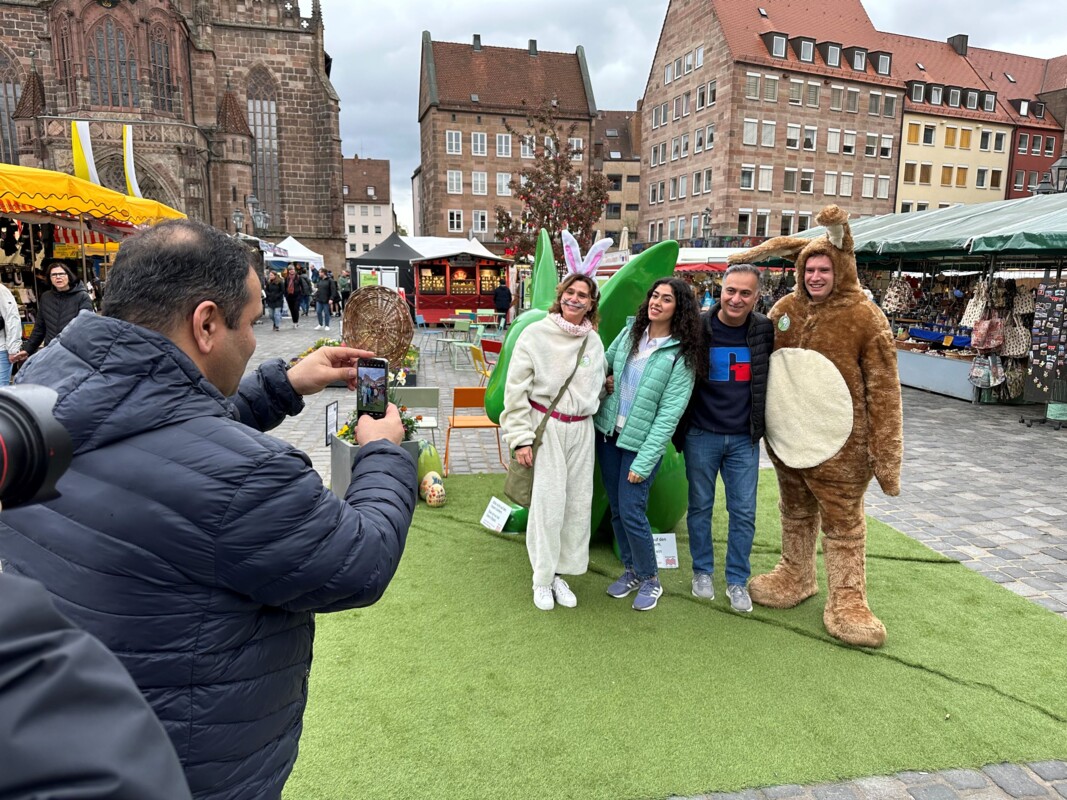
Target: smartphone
(372, 390)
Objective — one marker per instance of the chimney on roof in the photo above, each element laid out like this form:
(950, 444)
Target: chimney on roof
(477, 42)
(959, 43)
(533, 47)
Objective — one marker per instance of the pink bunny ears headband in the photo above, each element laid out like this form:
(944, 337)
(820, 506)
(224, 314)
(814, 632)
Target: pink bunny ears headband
(576, 265)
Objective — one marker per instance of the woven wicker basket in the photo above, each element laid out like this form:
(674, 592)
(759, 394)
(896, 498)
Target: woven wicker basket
(915, 347)
(377, 319)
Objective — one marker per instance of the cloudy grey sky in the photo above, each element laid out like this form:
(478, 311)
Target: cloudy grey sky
(376, 53)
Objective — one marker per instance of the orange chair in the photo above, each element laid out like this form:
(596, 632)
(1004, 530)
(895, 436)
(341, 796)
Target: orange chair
(467, 397)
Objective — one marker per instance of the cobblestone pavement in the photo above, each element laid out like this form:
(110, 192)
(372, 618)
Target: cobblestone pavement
(978, 486)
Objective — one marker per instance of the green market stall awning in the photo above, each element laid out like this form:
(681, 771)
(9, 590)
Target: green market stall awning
(1029, 226)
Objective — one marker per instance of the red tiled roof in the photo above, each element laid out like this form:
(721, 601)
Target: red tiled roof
(993, 66)
(359, 173)
(1056, 75)
(618, 121)
(504, 77)
(843, 22)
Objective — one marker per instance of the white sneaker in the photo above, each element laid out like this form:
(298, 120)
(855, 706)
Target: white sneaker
(563, 594)
(543, 598)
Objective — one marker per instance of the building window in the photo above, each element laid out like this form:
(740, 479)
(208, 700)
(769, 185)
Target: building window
(479, 183)
(377, 230)
(807, 51)
(946, 174)
(377, 211)
(833, 55)
(364, 211)
(807, 181)
(749, 132)
(748, 175)
(455, 221)
(763, 222)
(995, 178)
(263, 121)
(455, 181)
(954, 98)
(10, 90)
(685, 145)
(803, 222)
(702, 94)
(698, 140)
(796, 92)
(914, 129)
(910, 169)
(811, 136)
(926, 171)
(883, 187)
(984, 139)
(852, 101)
(113, 78)
(935, 95)
(829, 184)
(859, 61)
(889, 105)
(365, 229)
(526, 147)
(478, 143)
(917, 91)
(453, 143)
(789, 183)
(786, 228)
(700, 57)
(874, 104)
(1020, 179)
(1050, 146)
(366, 248)
(503, 184)
(697, 183)
(929, 132)
(989, 102)
(1036, 143)
(905, 208)
(353, 248)
(577, 148)
(614, 183)
(503, 145)
(676, 148)
(65, 63)
(981, 176)
(848, 143)
(709, 137)
(766, 178)
(667, 74)
(813, 95)
(682, 186)
(792, 136)
(950, 136)
(883, 64)
(752, 85)
(1024, 143)
(767, 134)
(844, 188)
(921, 206)
(480, 221)
(961, 177)
(871, 147)
(837, 98)
(676, 113)
(972, 99)
(712, 91)
(965, 138)
(707, 181)
(998, 142)
(161, 78)
(673, 195)
(770, 88)
(886, 150)
(833, 140)
(778, 46)
(744, 222)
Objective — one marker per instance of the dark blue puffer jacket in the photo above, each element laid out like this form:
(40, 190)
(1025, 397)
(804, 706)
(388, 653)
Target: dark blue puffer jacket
(198, 548)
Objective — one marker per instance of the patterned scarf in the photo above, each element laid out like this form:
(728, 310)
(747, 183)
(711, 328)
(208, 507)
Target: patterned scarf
(569, 327)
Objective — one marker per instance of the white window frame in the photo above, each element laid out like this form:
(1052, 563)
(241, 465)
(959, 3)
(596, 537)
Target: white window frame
(765, 179)
(829, 184)
(699, 57)
(454, 143)
(503, 145)
(883, 59)
(576, 143)
(885, 149)
(936, 95)
(455, 220)
(807, 176)
(859, 61)
(791, 179)
(833, 55)
(503, 181)
(767, 133)
(479, 183)
(770, 88)
(752, 85)
(685, 145)
(454, 182)
(479, 144)
(796, 92)
(748, 170)
(807, 51)
(889, 105)
(844, 185)
(778, 46)
(750, 132)
(792, 134)
(833, 140)
(813, 142)
(480, 221)
(981, 178)
(882, 188)
(527, 146)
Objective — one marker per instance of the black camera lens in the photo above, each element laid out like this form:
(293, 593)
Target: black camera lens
(35, 450)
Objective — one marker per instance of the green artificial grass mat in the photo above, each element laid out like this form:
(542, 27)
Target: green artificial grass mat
(455, 686)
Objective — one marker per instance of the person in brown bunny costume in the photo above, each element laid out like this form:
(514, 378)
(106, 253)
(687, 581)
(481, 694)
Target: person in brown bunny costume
(833, 421)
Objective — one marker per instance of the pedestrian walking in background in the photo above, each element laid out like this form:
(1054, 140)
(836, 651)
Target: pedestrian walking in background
(274, 298)
(294, 289)
(56, 308)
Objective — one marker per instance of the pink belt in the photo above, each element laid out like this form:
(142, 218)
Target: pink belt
(556, 414)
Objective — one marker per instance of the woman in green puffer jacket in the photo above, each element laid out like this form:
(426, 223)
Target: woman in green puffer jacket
(653, 363)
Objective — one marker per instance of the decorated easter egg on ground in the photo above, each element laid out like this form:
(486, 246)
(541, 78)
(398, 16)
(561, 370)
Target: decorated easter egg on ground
(435, 496)
(428, 480)
(429, 460)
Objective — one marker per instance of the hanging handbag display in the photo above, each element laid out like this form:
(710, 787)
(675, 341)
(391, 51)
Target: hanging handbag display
(1024, 301)
(1016, 338)
(899, 297)
(518, 485)
(988, 333)
(976, 306)
(987, 371)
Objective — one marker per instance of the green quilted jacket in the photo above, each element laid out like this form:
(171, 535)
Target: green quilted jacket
(662, 397)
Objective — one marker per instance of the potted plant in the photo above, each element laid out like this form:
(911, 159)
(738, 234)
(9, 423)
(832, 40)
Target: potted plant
(343, 447)
(323, 342)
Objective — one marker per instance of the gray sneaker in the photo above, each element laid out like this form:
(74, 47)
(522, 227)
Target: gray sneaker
(739, 599)
(702, 587)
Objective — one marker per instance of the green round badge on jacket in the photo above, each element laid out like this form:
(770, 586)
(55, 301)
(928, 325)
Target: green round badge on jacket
(783, 323)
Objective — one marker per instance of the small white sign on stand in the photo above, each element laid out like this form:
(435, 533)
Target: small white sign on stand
(496, 515)
(331, 421)
(666, 550)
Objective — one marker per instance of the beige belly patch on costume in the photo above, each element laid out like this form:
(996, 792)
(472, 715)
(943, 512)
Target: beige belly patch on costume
(809, 408)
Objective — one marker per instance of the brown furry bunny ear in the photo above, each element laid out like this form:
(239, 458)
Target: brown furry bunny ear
(785, 247)
(838, 230)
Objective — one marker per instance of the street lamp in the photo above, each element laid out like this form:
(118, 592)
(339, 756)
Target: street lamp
(705, 227)
(238, 218)
(1055, 180)
(260, 218)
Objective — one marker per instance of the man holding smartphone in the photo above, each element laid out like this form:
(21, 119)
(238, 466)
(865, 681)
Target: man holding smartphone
(195, 546)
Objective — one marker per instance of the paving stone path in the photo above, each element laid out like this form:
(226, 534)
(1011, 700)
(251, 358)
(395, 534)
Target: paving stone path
(977, 486)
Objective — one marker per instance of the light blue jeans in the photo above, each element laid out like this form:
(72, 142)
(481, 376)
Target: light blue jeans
(629, 502)
(736, 457)
(5, 369)
(322, 311)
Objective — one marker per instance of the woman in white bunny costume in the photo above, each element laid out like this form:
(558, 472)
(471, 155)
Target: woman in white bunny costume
(545, 355)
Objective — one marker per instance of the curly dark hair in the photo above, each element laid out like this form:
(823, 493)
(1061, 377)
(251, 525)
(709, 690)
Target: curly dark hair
(685, 324)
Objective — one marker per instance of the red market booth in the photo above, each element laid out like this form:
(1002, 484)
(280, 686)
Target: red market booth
(454, 274)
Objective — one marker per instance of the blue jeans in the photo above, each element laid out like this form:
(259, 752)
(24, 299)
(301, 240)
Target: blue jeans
(736, 456)
(628, 503)
(5, 368)
(305, 304)
(275, 314)
(322, 313)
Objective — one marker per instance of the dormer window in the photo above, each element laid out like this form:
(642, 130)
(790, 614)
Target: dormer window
(859, 61)
(1024, 108)
(833, 55)
(807, 50)
(989, 102)
(935, 95)
(954, 98)
(778, 46)
(883, 63)
(917, 92)
(1039, 110)
(972, 99)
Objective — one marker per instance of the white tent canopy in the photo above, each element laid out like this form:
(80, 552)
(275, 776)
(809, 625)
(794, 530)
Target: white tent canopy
(299, 253)
(443, 246)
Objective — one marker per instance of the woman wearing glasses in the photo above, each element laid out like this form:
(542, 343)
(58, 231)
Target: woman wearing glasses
(56, 308)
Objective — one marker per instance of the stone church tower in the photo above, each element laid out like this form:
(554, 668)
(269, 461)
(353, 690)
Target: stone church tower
(230, 104)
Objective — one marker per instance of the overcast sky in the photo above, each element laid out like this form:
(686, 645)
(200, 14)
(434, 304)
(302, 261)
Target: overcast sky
(376, 54)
